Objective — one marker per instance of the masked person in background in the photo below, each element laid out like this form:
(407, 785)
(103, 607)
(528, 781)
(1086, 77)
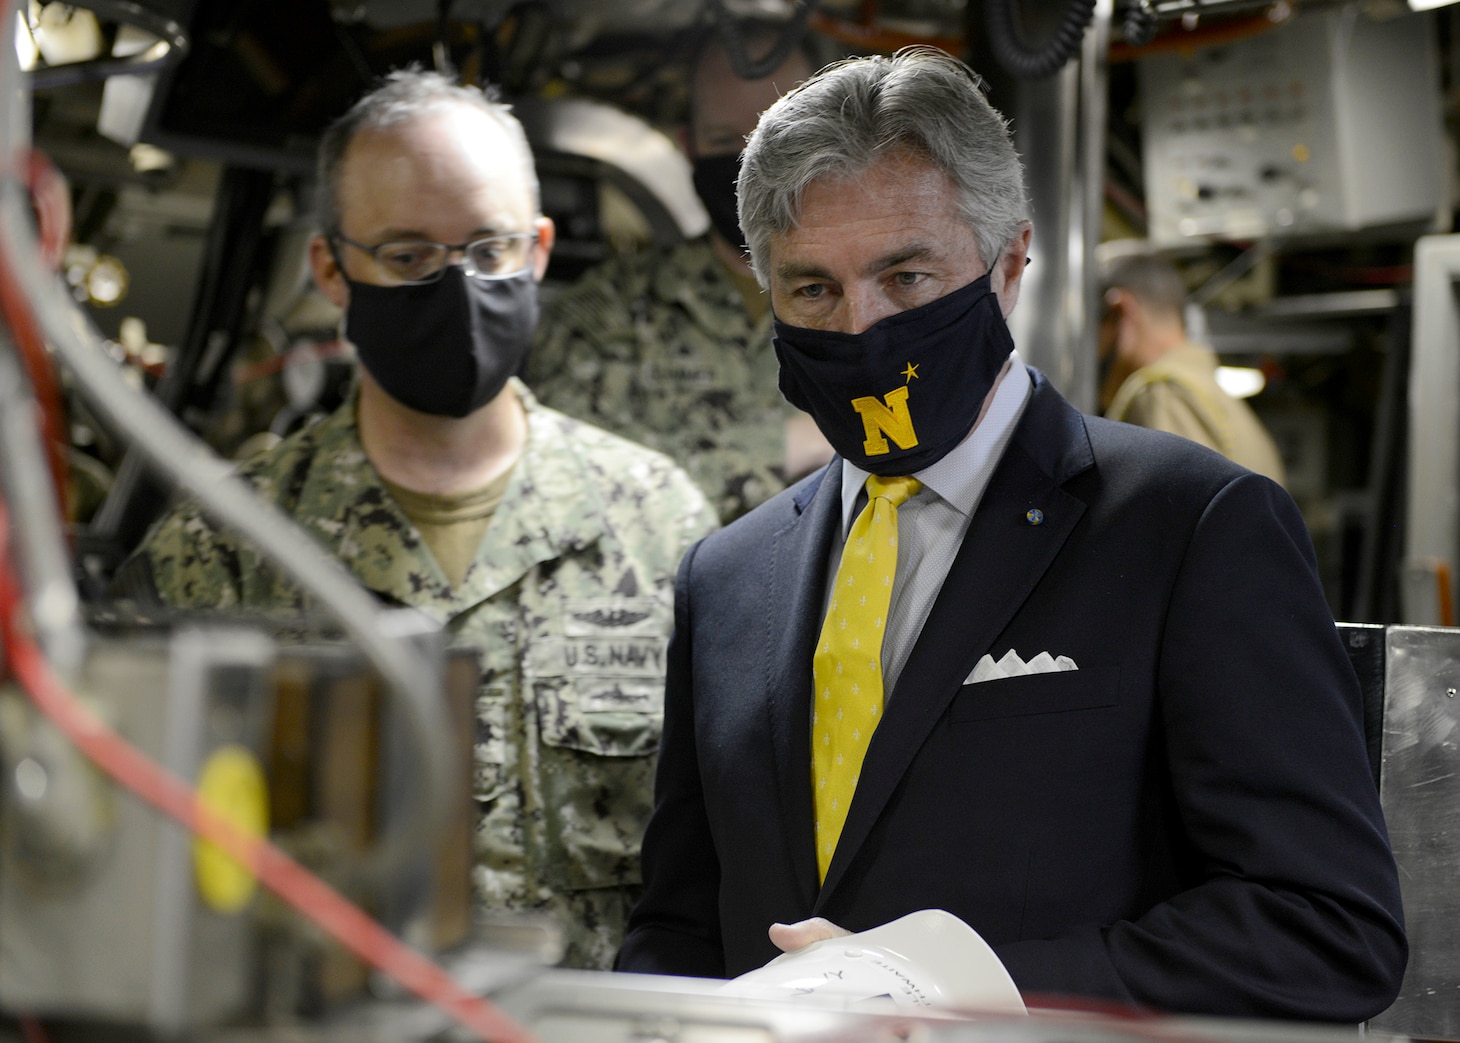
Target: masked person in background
(1071, 680)
(445, 487)
(673, 346)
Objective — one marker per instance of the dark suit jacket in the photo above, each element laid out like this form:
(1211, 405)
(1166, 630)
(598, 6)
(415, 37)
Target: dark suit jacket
(1186, 822)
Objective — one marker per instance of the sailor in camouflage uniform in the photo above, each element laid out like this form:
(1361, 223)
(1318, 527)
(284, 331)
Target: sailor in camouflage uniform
(552, 554)
(672, 347)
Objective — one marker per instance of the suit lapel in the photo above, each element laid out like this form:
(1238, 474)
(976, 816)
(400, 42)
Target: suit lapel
(797, 571)
(1002, 558)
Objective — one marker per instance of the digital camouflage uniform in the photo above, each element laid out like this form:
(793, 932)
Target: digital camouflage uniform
(569, 605)
(657, 346)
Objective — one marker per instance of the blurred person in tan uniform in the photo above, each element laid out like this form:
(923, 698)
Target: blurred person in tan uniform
(1154, 376)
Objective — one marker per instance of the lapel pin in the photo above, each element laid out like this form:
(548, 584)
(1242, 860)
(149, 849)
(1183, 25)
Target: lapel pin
(1034, 516)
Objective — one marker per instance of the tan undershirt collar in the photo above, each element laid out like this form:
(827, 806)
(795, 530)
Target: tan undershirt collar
(452, 524)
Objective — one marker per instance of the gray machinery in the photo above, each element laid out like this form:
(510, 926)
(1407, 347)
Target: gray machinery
(1327, 125)
(1411, 677)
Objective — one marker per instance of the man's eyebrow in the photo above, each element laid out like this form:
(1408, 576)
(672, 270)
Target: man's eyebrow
(798, 270)
(399, 235)
(901, 256)
(791, 270)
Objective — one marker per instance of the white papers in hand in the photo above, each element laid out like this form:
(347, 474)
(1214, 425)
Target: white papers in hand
(929, 959)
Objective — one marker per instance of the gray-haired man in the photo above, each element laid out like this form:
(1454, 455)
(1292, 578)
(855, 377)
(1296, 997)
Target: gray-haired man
(1104, 716)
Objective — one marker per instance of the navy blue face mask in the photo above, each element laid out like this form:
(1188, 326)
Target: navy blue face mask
(898, 396)
(714, 181)
(446, 347)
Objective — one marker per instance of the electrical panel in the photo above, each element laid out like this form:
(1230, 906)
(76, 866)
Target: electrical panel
(1328, 125)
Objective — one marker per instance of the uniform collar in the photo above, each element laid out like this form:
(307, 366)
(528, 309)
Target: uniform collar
(551, 507)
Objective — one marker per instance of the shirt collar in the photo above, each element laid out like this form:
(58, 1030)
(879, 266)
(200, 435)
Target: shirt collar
(961, 475)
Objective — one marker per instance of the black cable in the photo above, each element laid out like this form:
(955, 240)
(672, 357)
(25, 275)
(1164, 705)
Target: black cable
(790, 38)
(1138, 23)
(1027, 63)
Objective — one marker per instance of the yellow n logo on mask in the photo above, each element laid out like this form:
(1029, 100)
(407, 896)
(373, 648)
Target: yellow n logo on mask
(892, 420)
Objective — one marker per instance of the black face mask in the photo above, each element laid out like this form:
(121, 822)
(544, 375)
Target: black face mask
(446, 347)
(714, 178)
(898, 396)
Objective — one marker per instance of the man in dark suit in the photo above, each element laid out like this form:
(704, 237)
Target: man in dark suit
(1111, 723)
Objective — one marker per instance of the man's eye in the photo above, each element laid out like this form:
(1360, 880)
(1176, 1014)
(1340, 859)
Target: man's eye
(488, 251)
(907, 278)
(811, 291)
(405, 256)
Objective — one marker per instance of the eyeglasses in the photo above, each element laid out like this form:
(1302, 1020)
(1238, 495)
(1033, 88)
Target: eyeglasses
(419, 261)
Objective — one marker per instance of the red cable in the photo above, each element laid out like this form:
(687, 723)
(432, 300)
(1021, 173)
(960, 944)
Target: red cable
(312, 897)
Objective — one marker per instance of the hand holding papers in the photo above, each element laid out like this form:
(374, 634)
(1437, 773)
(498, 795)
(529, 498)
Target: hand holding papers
(927, 959)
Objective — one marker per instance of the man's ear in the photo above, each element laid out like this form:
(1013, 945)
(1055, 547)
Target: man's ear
(547, 234)
(1114, 304)
(325, 267)
(1130, 320)
(1010, 268)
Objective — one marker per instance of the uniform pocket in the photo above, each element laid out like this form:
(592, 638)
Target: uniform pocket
(597, 777)
(599, 716)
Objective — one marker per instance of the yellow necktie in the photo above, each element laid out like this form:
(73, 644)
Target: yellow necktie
(847, 667)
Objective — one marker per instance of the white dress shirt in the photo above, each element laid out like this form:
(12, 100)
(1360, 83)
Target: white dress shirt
(932, 524)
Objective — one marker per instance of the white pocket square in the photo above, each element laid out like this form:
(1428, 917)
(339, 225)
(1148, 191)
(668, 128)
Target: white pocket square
(1010, 665)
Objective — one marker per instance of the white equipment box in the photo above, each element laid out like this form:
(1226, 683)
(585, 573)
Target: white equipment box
(1328, 125)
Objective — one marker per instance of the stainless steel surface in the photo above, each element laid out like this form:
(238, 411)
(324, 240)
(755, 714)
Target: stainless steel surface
(1432, 500)
(1420, 789)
